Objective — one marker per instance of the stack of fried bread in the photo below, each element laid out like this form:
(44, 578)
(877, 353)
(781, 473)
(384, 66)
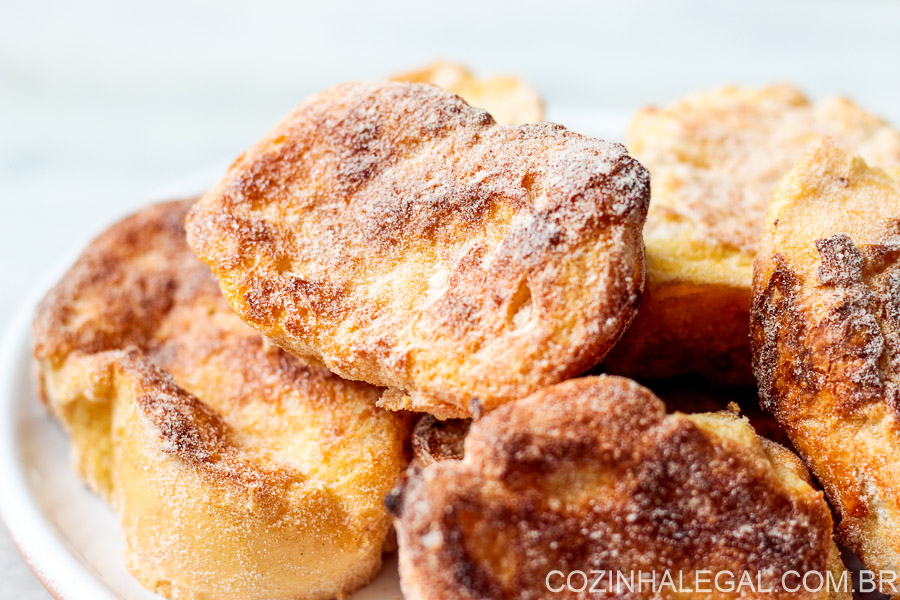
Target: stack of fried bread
(386, 311)
(715, 159)
(227, 459)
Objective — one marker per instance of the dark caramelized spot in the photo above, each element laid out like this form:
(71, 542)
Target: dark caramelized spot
(434, 440)
(592, 474)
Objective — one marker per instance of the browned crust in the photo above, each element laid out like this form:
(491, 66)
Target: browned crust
(192, 431)
(592, 474)
(237, 469)
(707, 324)
(138, 287)
(104, 303)
(694, 394)
(826, 338)
(715, 158)
(405, 239)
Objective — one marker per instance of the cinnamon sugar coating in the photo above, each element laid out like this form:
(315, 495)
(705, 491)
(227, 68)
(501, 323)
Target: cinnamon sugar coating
(591, 474)
(826, 338)
(715, 158)
(237, 470)
(405, 239)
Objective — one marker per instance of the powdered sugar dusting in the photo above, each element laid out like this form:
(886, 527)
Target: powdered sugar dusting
(827, 340)
(591, 474)
(716, 157)
(391, 230)
(236, 469)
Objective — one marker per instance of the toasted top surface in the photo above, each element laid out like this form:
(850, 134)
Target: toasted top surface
(716, 157)
(826, 337)
(137, 296)
(509, 99)
(592, 474)
(831, 245)
(406, 239)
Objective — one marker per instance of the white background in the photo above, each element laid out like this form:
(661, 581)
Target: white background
(104, 103)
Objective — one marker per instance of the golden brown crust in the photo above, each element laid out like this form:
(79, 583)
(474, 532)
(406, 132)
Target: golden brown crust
(104, 303)
(238, 471)
(715, 158)
(706, 323)
(509, 99)
(826, 338)
(405, 239)
(592, 474)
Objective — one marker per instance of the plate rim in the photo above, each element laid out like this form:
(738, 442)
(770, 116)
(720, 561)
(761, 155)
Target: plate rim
(34, 536)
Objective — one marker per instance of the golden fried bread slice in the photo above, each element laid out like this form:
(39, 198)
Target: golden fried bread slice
(509, 99)
(591, 474)
(237, 470)
(715, 159)
(405, 239)
(826, 338)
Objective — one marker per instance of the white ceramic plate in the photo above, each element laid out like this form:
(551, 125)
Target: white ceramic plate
(70, 537)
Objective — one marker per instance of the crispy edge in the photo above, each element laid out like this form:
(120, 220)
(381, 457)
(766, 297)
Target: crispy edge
(808, 353)
(626, 208)
(514, 447)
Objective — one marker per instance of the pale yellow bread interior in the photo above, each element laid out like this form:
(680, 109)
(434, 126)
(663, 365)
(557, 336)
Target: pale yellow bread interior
(715, 158)
(237, 470)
